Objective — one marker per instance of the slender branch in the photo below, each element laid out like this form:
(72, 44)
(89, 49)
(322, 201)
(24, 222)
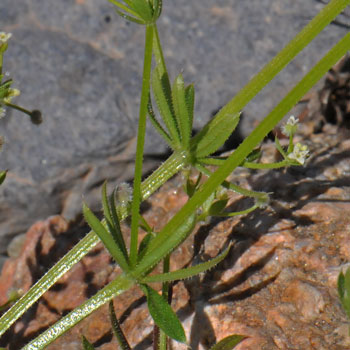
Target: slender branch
(135, 206)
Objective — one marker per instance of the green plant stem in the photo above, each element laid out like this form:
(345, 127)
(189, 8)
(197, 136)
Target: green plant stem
(296, 45)
(233, 187)
(136, 202)
(114, 288)
(162, 345)
(19, 108)
(161, 245)
(168, 169)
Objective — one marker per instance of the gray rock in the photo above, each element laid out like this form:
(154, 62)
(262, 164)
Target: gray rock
(81, 65)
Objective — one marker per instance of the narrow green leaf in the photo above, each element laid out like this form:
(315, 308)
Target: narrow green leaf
(162, 94)
(228, 343)
(214, 134)
(105, 204)
(341, 286)
(3, 176)
(187, 272)
(253, 155)
(279, 148)
(346, 295)
(181, 110)
(158, 4)
(218, 207)
(156, 124)
(189, 91)
(86, 344)
(129, 18)
(117, 232)
(127, 9)
(143, 9)
(208, 203)
(106, 238)
(163, 315)
(144, 245)
(122, 341)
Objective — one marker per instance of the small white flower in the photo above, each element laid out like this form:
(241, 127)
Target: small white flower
(4, 37)
(291, 126)
(299, 154)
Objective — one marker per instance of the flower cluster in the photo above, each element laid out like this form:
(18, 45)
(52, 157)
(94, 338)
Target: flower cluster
(299, 154)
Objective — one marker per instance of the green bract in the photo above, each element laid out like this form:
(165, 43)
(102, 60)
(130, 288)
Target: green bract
(139, 11)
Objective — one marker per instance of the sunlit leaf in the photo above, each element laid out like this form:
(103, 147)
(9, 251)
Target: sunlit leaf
(129, 18)
(228, 343)
(144, 246)
(188, 272)
(143, 9)
(156, 123)
(105, 237)
(217, 207)
(214, 134)
(162, 94)
(163, 315)
(181, 110)
(190, 92)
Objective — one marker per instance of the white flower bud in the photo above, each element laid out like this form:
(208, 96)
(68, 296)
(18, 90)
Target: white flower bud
(291, 126)
(4, 37)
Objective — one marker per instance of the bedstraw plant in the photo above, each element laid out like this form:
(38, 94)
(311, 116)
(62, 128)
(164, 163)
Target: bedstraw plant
(170, 108)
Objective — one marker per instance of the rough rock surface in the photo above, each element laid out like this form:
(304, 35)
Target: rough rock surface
(277, 286)
(79, 63)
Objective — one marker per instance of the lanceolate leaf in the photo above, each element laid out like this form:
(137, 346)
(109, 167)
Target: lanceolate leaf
(125, 8)
(112, 220)
(162, 94)
(228, 343)
(116, 224)
(144, 245)
(181, 110)
(188, 272)
(163, 315)
(106, 238)
(344, 290)
(218, 207)
(156, 124)
(189, 91)
(143, 9)
(214, 134)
